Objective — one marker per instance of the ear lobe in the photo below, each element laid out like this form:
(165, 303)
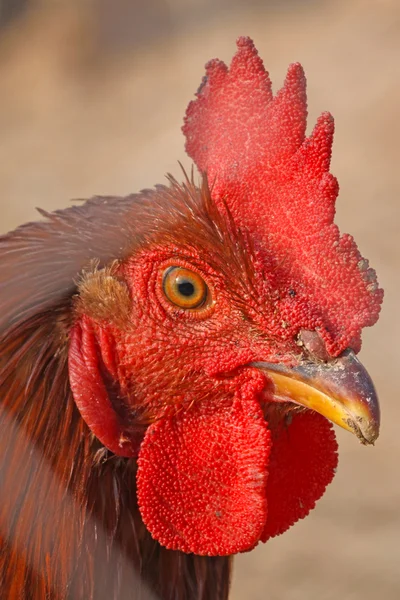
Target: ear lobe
(95, 388)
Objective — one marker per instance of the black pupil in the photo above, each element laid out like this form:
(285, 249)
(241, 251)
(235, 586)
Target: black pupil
(186, 288)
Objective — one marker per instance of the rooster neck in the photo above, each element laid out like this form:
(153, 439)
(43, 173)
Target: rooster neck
(69, 522)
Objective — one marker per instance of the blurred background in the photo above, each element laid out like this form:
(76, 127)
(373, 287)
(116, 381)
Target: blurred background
(92, 96)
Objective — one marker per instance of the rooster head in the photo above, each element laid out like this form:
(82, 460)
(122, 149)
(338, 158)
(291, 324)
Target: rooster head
(214, 341)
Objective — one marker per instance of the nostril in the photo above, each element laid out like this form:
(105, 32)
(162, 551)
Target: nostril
(312, 341)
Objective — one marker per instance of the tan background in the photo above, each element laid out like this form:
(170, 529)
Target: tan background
(92, 96)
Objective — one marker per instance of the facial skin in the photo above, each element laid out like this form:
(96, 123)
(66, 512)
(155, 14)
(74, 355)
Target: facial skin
(167, 356)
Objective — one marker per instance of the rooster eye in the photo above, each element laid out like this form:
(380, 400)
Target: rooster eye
(184, 288)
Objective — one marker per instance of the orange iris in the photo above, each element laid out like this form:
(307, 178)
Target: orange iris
(184, 288)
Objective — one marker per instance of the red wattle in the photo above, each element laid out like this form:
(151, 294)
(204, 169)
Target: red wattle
(302, 463)
(202, 477)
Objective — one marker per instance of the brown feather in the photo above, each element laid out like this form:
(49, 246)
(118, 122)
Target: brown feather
(69, 523)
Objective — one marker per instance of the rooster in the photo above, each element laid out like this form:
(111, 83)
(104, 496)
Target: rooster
(171, 362)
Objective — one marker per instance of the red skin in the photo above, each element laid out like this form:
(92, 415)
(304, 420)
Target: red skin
(171, 385)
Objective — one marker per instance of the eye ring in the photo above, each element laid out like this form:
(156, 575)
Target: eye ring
(184, 288)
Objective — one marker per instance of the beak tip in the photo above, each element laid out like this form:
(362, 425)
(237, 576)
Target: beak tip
(367, 431)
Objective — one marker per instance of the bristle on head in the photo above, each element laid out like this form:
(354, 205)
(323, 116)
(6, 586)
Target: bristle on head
(277, 186)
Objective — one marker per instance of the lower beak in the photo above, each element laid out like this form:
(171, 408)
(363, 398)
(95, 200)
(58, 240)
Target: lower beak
(340, 390)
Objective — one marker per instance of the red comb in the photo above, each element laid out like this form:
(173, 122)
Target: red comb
(276, 184)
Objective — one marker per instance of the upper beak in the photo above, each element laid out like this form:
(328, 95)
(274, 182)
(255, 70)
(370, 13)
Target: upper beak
(340, 390)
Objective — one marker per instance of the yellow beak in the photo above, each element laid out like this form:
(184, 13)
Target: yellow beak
(340, 390)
